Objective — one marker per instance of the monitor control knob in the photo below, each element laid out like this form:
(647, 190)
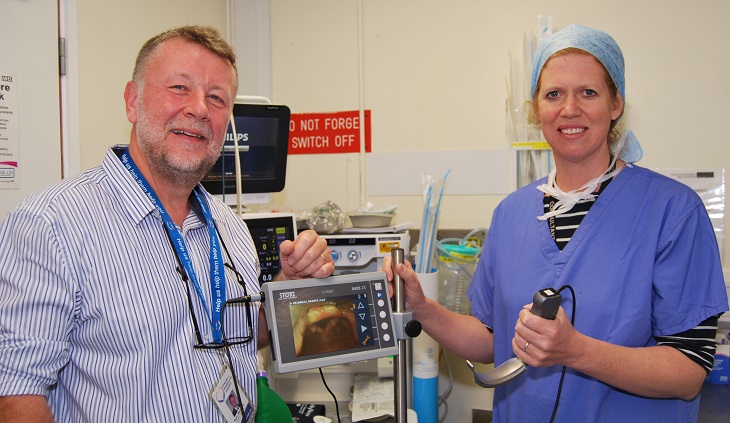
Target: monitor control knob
(336, 255)
(413, 328)
(353, 255)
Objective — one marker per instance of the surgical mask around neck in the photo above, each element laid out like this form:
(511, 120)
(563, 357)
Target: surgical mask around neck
(627, 149)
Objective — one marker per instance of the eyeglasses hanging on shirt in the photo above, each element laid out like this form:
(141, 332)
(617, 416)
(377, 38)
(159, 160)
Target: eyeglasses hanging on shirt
(225, 342)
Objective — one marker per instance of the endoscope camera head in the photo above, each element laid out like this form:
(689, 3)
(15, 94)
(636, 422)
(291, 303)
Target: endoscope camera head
(545, 303)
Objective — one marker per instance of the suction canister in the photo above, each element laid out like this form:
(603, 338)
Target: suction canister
(455, 265)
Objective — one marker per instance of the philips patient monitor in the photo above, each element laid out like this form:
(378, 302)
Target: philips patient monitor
(268, 231)
(323, 322)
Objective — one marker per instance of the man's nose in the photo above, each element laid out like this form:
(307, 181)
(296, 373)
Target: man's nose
(198, 106)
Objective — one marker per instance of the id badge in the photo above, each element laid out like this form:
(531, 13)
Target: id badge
(223, 395)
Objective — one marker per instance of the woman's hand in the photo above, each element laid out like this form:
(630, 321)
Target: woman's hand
(415, 298)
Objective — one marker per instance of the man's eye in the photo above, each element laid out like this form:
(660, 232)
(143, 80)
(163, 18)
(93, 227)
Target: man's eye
(218, 101)
(590, 93)
(551, 94)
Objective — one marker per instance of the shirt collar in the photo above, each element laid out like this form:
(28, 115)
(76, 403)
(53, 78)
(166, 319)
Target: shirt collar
(136, 203)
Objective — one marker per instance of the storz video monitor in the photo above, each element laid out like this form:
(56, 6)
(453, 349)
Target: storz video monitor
(268, 231)
(263, 140)
(324, 322)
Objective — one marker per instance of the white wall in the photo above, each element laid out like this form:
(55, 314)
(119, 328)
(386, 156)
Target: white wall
(33, 133)
(434, 78)
(433, 75)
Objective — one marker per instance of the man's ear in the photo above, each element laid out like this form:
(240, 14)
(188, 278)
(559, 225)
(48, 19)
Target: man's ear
(130, 101)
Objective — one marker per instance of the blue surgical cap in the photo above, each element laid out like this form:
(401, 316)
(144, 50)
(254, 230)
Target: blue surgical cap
(593, 41)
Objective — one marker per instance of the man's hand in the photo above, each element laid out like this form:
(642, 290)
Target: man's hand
(306, 257)
(25, 408)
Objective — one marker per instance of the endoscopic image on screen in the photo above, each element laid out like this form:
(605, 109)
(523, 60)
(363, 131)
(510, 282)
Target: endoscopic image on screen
(324, 327)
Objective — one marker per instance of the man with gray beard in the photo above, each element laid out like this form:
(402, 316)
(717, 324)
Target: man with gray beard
(112, 283)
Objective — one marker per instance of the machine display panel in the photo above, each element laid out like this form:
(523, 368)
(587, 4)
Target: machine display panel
(323, 322)
(268, 231)
(263, 132)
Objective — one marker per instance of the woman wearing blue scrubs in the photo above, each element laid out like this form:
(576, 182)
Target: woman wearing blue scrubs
(637, 248)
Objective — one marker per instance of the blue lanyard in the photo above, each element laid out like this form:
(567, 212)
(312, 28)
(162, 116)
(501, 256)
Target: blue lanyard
(217, 275)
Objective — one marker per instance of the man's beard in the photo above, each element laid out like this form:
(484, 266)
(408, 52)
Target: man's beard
(180, 167)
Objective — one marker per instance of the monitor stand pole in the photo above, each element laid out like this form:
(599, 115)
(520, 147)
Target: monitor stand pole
(405, 327)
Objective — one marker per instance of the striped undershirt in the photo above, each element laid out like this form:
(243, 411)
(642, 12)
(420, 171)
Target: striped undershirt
(698, 344)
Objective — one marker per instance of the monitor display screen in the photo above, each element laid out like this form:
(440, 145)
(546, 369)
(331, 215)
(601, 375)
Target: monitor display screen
(337, 319)
(324, 322)
(268, 231)
(263, 139)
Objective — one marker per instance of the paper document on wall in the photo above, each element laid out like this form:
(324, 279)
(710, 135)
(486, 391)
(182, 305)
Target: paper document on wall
(9, 132)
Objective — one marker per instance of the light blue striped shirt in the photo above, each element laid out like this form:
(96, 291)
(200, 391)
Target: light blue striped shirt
(94, 315)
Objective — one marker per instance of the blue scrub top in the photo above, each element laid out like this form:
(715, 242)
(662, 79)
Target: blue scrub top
(643, 263)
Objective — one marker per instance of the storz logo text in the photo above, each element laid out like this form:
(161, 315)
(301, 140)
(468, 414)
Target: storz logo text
(287, 295)
(7, 78)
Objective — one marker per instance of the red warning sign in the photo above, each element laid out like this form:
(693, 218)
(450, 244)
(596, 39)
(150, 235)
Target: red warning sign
(327, 133)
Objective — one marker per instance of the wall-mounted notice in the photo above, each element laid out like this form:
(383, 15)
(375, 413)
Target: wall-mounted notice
(9, 143)
(328, 133)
